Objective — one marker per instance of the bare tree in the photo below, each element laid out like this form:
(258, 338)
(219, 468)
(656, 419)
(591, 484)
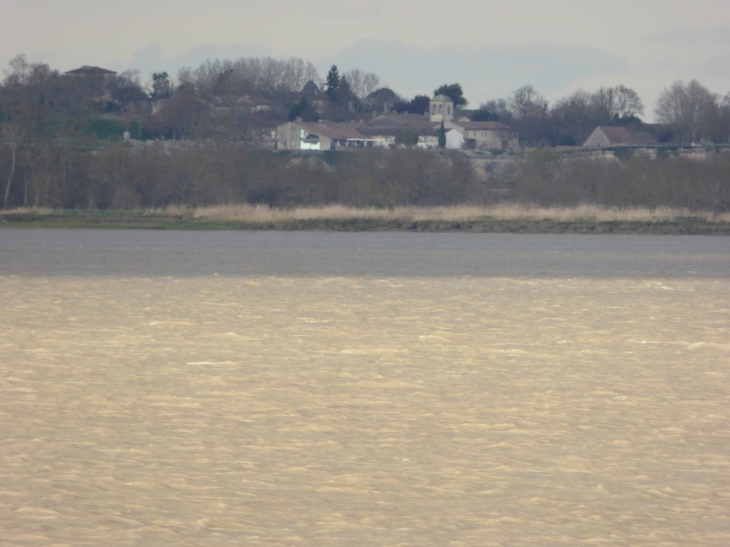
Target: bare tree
(19, 72)
(613, 103)
(528, 103)
(499, 107)
(603, 104)
(13, 134)
(724, 119)
(574, 118)
(684, 107)
(627, 102)
(247, 76)
(362, 83)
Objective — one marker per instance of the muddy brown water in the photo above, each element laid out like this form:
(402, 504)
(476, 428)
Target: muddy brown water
(363, 389)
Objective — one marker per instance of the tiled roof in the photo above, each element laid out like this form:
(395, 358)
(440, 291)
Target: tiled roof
(616, 134)
(399, 130)
(399, 120)
(310, 86)
(483, 126)
(333, 130)
(621, 135)
(311, 89)
(90, 71)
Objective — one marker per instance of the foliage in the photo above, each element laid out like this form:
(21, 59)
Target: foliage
(381, 100)
(302, 109)
(483, 114)
(161, 86)
(454, 92)
(408, 138)
(418, 105)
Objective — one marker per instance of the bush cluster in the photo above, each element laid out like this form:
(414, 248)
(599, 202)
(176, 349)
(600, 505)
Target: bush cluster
(197, 173)
(205, 173)
(546, 178)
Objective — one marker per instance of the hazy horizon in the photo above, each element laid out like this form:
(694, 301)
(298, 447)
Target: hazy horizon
(488, 47)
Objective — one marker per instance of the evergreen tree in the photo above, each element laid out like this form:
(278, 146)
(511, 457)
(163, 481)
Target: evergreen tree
(442, 135)
(302, 109)
(333, 81)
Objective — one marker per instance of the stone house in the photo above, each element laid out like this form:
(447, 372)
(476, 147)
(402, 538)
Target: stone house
(489, 135)
(321, 136)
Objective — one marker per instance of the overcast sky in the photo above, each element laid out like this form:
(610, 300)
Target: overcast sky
(490, 47)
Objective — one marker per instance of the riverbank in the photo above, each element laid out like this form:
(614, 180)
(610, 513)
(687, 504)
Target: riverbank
(470, 219)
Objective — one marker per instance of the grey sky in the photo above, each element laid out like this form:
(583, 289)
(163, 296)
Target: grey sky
(490, 47)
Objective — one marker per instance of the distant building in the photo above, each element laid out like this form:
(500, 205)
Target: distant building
(392, 129)
(299, 135)
(314, 95)
(441, 109)
(606, 136)
(489, 135)
(92, 71)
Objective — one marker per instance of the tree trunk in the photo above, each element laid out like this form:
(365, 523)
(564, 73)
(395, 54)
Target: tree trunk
(13, 153)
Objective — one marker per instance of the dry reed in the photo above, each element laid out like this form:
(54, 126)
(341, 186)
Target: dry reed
(28, 211)
(458, 213)
(264, 213)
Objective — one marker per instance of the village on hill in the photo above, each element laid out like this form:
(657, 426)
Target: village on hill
(285, 105)
(271, 131)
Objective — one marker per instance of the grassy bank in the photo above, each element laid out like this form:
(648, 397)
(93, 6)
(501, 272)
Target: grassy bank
(500, 218)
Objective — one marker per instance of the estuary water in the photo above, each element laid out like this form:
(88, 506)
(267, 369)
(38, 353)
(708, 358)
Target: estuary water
(296, 388)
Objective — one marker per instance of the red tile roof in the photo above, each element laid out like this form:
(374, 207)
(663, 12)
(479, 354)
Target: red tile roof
(617, 135)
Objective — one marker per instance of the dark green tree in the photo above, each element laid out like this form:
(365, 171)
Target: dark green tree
(344, 92)
(454, 92)
(409, 138)
(333, 81)
(442, 135)
(484, 115)
(161, 86)
(302, 109)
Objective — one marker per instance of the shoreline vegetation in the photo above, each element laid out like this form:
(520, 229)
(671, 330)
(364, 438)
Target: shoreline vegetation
(502, 218)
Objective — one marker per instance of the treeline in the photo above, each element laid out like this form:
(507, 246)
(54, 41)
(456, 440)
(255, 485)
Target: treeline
(205, 102)
(686, 113)
(548, 178)
(205, 173)
(61, 175)
(243, 99)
